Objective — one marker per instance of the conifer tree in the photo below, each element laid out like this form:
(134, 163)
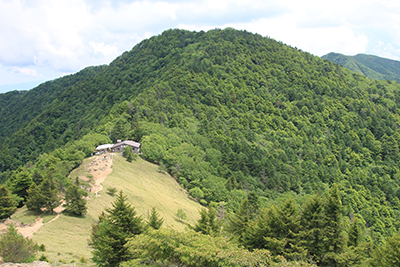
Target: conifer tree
(284, 236)
(35, 199)
(279, 230)
(239, 222)
(334, 241)
(75, 204)
(19, 183)
(49, 192)
(112, 231)
(7, 203)
(354, 234)
(207, 224)
(155, 221)
(312, 221)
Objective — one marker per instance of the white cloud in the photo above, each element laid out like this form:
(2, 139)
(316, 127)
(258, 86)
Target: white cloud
(64, 36)
(107, 50)
(25, 71)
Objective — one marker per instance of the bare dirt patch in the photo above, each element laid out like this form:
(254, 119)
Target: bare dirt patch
(99, 168)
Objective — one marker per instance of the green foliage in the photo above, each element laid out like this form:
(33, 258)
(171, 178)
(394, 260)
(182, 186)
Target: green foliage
(128, 153)
(43, 258)
(15, 248)
(19, 183)
(239, 222)
(388, 254)
(181, 215)
(155, 222)
(35, 200)
(44, 196)
(170, 247)
(333, 228)
(42, 248)
(208, 223)
(112, 231)
(83, 260)
(7, 203)
(196, 193)
(111, 191)
(75, 204)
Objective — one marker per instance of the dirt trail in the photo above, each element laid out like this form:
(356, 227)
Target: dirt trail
(99, 168)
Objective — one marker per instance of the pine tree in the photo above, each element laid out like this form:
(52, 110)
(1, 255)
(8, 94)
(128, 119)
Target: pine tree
(312, 221)
(75, 204)
(49, 192)
(207, 224)
(19, 183)
(7, 203)
(239, 222)
(279, 231)
(35, 199)
(334, 241)
(155, 221)
(112, 231)
(354, 234)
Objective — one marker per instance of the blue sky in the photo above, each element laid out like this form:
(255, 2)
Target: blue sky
(42, 40)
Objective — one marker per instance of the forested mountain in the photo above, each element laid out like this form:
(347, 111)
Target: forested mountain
(231, 115)
(373, 67)
(18, 108)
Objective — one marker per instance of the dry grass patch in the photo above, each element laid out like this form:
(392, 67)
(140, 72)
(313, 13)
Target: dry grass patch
(146, 187)
(65, 238)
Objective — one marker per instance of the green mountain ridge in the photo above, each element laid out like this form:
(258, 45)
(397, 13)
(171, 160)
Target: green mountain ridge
(227, 113)
(371, 66)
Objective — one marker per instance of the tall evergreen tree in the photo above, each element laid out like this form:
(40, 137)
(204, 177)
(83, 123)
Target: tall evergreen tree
(35, 200)
(75, 204)
(238, 223)
(19, 183)
(334, 241)
(48, 190)
(155, 221)
(279, 230)
(207, 224)
(312, 221)
(112, 231)
(7, 203)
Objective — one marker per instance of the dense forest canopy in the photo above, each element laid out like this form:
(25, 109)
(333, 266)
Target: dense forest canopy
(230, 114)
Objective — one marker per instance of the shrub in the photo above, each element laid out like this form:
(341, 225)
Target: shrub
(111, 191)
(83, 259)
(15, 248)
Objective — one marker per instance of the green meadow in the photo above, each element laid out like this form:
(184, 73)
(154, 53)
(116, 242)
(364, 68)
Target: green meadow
(66, 238)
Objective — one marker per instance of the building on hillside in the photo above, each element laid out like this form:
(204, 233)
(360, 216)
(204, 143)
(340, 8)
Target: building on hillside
(120, 146)
(104, 148)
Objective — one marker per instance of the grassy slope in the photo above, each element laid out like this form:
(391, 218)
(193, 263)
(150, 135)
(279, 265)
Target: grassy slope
(66, 238)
